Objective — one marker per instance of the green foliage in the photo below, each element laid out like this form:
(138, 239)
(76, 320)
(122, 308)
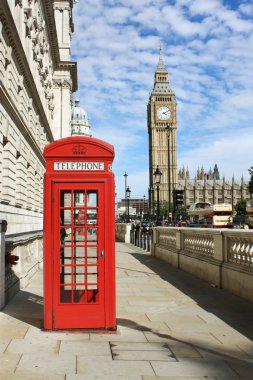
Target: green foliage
(250, 184)
(240, 219)
(181, 212)
(240, 208)
(164, 209)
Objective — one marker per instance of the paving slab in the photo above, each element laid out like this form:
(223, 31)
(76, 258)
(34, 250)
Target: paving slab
(109, 367)
(8, 363)
(26, 346)
(182, 350)
(86, 348)
(124, 333)
(136, 346)
(38, 334)
(46, 363)
(193, 367)
(143, 355)
(11, 332)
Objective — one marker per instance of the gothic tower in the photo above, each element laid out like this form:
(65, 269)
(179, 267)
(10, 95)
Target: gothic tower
(162, 129)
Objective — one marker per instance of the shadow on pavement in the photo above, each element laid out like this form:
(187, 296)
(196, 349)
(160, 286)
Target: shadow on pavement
(26, 307)
(233, 310)
(240, 366)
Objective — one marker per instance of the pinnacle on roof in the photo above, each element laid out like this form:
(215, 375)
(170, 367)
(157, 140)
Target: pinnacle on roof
(161, 65)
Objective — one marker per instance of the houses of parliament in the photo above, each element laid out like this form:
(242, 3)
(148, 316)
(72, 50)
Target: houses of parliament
(206, 186)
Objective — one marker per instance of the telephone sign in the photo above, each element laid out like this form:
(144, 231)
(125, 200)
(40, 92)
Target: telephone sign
(78, 166)
(79, 235)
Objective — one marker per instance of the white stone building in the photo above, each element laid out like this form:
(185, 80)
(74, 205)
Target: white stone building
(79, 123)
(37, 79)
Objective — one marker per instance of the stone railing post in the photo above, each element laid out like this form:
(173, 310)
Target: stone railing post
(154, 241)
(178, 245)
(3, 229)
(218, 246)
(218, 254)
(178, 240)
(127, 233)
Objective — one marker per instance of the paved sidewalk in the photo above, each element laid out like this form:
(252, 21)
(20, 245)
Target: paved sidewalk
(170, 326)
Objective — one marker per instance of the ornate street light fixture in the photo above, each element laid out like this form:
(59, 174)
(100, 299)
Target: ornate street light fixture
(125, 175)
(128, 193)
(143, 212)
(157, 175)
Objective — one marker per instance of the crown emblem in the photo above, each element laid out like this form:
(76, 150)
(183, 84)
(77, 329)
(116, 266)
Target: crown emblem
(79, 149)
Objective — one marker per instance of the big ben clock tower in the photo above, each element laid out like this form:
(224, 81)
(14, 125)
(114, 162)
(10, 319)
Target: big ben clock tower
(162, 129)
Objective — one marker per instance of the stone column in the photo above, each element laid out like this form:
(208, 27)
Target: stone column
(65, 107)
(3, 228)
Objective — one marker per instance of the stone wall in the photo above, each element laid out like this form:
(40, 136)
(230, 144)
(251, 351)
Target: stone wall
(28, 252)
(123, 232)
(224, 258)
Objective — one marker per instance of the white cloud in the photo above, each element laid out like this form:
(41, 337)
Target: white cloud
(246, 9)
(207, 7)
(229, 152)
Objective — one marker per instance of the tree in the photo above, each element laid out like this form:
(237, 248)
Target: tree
(250, 184)
(181, 212)
(164, 209)
(240, 207)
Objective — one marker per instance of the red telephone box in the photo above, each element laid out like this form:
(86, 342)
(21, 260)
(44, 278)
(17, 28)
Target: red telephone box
(79, 235)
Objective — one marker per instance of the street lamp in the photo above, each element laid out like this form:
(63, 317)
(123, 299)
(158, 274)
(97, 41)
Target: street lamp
(150, 201)
(128, 193)
(157, 175)
(144, 198)
(169, 130)
(125, 175)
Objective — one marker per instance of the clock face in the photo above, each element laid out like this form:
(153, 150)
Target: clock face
(163, 113)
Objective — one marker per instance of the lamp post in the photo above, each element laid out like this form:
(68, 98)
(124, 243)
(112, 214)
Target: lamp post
(150, 202)
(125, 175)
(169, 129)
(157, 175)
(128, 193)
(144, 198)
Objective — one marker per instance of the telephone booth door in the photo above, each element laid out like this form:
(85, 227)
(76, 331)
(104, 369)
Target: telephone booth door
(79, 255)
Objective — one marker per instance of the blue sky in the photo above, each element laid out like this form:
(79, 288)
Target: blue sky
(208, 51)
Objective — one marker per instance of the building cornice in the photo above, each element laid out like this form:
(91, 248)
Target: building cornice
(15, 42)
(72, 67)
(48, 7)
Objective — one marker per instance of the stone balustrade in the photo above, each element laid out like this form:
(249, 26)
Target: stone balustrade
(224, 258)
(122, 231)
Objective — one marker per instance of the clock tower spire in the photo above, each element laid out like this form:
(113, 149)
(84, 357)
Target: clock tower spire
(162, 130)
(161, 74)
